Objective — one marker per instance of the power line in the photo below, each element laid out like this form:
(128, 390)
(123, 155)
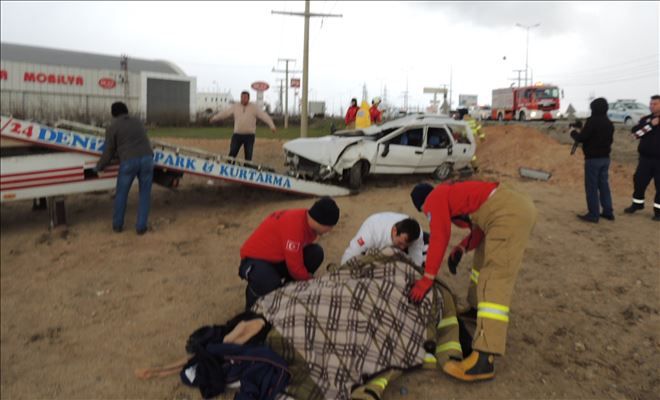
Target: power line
(609, 75)
(632, 78)
(614, 66)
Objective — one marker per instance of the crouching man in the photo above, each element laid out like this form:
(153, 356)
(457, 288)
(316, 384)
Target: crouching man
(387, 229)
(282, 248)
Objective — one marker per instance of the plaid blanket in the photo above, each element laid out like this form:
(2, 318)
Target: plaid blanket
(337, 331)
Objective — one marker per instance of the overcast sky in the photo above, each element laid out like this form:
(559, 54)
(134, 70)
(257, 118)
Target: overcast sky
(589, 49)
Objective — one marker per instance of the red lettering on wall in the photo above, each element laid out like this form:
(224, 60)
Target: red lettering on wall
(4, 75)
(50, 78)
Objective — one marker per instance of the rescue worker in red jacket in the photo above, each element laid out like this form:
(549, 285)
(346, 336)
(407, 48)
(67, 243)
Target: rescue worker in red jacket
(351, 114)
(375, 114)
(506, 218)
(282, 248)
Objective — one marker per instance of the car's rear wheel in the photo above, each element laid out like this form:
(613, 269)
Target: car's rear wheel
(521, 116)
(443, 171)
(628, 121)
(500, 117)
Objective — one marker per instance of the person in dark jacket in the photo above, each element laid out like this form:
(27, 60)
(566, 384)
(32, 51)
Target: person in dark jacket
(127, 138)
(648, 133)
(596, 137)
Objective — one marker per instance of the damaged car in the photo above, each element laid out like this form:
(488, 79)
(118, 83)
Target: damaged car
(415, 144)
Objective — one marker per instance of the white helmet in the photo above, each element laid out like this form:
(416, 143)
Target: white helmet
(376, 100)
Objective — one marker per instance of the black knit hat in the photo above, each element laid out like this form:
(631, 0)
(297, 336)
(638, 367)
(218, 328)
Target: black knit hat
(419, 194)
(325, 211)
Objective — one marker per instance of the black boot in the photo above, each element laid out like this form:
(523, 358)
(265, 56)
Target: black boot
(656, 217)
(633, 207)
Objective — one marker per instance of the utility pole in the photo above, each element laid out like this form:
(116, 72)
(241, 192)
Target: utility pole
(281, 89)
(527, 28)
(519, 71)
(304, 118)
(364, 93)
(286, 87)
(124, 67)
(451, 70)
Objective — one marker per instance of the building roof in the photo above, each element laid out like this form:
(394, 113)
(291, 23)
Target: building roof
(78, 59)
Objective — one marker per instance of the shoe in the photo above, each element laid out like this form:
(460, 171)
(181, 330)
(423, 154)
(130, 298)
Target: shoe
(141, 231)
(588, 218)
(478, 366)
(633, 207)
(656, 217)
(117, 229)
(609, 217)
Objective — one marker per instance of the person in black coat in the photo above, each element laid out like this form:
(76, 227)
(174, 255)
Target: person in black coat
(596, 137)
(648, 133)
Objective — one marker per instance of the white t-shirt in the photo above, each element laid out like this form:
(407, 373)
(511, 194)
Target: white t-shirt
(376, 233)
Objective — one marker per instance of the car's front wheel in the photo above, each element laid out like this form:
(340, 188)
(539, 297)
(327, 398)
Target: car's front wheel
(628, 121)
(443, 171)
(355, 175)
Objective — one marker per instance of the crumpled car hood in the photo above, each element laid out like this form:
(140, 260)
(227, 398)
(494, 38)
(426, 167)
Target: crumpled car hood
(324, 150)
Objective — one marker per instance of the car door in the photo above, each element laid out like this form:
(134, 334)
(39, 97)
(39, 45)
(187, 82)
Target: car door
(400, 152)
(615, 113)
(437, 149)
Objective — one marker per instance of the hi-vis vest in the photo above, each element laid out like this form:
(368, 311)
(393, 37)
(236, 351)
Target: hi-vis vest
(363, 119)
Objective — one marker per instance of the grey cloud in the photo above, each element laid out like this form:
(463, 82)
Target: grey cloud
(556, 17)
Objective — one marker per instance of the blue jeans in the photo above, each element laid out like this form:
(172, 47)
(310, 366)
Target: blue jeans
(143, 168)
(597, 187)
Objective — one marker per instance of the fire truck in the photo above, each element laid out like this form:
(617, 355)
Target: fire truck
(526, 103)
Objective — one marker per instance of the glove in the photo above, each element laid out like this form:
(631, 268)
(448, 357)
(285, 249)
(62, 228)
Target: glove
(419, 289)
(454, 259)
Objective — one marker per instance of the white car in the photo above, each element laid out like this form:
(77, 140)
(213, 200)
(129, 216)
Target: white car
(627, 111)
(422, 143)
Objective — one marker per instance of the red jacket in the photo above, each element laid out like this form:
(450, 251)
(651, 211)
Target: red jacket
(376, 115)
(282, 237)
(351, 114)
(444, 202)
(473, 240)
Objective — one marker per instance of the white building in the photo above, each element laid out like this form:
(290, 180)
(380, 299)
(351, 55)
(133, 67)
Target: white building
(47, 84)
(213, 101)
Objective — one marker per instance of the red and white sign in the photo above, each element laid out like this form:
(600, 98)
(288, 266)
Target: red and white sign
(107, 83)
(260, 86)
(295, 82)
(361, 242)
(4, 75)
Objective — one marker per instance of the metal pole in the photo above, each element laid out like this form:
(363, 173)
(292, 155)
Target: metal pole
(526, 54)
(303, 117)
(286, 95)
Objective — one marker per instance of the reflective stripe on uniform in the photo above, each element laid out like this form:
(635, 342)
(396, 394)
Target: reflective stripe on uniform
(474, 276)
(380, 382)
(656, 205)
(493, 311)
(448, 346)
(636, 201)
(430, 358)
(447, 322)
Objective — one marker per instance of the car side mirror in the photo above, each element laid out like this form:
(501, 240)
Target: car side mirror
(386, 150)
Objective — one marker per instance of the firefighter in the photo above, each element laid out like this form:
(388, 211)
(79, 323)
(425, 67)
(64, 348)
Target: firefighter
(375, 114)
(648, 133)
(506, 218)
(351, 114)
(473, 241)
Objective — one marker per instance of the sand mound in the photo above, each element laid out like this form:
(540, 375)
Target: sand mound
(510, 147)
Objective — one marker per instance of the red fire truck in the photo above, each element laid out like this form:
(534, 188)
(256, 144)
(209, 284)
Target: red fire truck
(538, 102)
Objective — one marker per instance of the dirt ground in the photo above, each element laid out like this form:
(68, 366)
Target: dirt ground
(82, 308)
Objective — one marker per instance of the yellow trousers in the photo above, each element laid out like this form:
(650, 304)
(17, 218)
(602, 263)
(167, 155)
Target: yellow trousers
(507, 219)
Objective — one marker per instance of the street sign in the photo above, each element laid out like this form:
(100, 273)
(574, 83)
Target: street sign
(260, 86)
(295, 82)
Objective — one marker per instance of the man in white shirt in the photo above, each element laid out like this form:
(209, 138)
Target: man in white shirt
(388, 229)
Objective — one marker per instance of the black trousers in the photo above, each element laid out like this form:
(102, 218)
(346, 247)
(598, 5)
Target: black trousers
(264, 276)
(245, 140)
(647, 169)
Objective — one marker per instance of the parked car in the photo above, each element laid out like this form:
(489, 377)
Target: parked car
(415, 144)
(627, 111)
(481, 113)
